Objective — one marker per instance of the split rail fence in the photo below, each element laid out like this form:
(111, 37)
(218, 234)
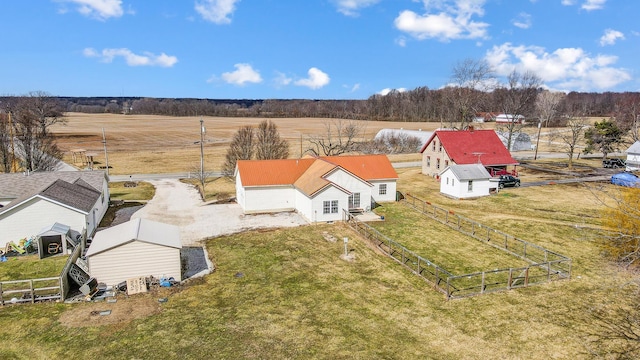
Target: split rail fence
(42, 289)
(545, 265)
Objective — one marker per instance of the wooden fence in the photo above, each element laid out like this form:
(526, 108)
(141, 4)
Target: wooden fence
(43, 289)
(545, 265)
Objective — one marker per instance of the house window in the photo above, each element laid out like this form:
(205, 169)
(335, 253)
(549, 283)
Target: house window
(438, 164)
(330, 207)
(354, 201)
(470, 186)
(440, 147)
(453, 182)
(447, 180)
(433, 145)
(383, 189)
(428, 161)
(446, 163)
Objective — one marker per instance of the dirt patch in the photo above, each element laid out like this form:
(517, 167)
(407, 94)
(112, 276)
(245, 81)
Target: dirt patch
(123, 311)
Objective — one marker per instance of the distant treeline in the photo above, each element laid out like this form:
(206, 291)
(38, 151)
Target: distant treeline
(420, 104)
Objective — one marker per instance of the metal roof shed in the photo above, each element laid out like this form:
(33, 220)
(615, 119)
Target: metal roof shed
(137, 248)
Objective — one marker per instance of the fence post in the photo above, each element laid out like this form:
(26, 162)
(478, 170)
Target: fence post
(448, 288)
(526, 277)
(437, 281)
(33, 294)
(510, 278)
(1, 297)
(482, 288)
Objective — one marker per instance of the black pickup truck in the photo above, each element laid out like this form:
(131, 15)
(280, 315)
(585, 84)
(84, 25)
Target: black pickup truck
(613, 163)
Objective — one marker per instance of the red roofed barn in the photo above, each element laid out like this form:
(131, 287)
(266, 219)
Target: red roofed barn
(461, 147)
(317, 188)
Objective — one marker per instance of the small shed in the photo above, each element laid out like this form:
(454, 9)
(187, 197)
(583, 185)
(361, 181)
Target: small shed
(465, 181)
(57, 239)
(633, 157)
(137, 248)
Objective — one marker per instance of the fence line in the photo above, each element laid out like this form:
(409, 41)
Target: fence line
(51, 288)
(545, 265)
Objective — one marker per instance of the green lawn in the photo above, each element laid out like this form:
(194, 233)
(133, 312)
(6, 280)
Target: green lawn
(31, 267)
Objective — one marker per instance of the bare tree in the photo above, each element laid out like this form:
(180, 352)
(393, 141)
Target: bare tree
(547, 104)
(5, 144)
(391, 143)
(517, 99)
(469, 78)
(269, 144)
(571, 135)
(339, 137)
(241, 148)
(46, 110)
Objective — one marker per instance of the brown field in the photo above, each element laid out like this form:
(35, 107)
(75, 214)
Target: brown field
(164, 144)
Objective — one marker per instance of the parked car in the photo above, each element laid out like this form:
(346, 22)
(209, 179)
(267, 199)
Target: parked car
(626, 179)
(508, 181)
(614, 163)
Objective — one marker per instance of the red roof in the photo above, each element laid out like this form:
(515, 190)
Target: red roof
(289, 171)
(467, 146)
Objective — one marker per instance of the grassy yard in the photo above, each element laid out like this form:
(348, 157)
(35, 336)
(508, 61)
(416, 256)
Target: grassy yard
(31, 267)
(141, 192)
(287, 294)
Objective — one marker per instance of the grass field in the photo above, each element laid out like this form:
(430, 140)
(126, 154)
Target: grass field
(287, 294)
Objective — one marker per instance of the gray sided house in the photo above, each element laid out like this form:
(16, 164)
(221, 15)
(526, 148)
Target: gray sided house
(37, 201)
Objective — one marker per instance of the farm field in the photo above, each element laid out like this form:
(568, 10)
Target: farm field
(165, 144)
(287, 294)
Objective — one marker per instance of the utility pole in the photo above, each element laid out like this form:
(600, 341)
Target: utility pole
(535, 157)
(106, 157)
(202, 130)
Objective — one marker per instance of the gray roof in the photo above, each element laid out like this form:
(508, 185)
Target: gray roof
(135, 230)
(634, 149)
(469, 172)
(77, 189)
(15, 185)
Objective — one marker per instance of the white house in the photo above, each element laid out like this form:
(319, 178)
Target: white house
(633, 157)
(78, 199)
(466, 181)
(317, 188)
(137, 248)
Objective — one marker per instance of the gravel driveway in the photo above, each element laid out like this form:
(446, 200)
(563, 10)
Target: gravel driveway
(179, 204)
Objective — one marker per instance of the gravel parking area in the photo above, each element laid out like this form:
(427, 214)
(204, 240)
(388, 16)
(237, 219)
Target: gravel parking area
(179, 204)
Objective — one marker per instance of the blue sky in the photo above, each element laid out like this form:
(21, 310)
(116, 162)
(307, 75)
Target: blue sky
(309, 49)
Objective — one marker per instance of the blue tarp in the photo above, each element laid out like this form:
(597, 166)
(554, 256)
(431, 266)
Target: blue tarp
(625, 179)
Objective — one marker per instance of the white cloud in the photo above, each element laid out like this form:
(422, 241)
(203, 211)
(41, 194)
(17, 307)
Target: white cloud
(216, 11)
(355, 87)
(401, 41)
(453, 21)
(244, 74)
(568, 2)
(610, 37)
(98, 9)
(571, 68)
(593, 4)
(386, 91)
(281, 80)
(523, 21)
(351, 7)
(316, 79)
(146, 59)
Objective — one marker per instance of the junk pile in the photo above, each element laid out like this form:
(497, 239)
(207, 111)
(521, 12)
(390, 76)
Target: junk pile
(22, 247)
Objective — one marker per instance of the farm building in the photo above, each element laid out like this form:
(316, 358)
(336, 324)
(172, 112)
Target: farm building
(423, 136)
(318, 188)
(137, 248)
(509, 118)
(461, 147)
(633, 157)
(78, 199)
(520, 141)
(466, 181)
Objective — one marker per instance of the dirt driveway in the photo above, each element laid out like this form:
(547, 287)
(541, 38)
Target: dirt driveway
(180, 204)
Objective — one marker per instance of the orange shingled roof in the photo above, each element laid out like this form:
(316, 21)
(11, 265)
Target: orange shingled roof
(307, 175)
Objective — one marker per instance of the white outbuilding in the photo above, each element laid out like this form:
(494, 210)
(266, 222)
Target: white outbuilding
(466, 181)
(633, 157)
(137, 248)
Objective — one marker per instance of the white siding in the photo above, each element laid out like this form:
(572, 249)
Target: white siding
(633, 162)
(312, 209)
(240, 193)
(135, 259)
(391, 191)
(28, 219)
(450, 185)
(269, 199)
(354, 185)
